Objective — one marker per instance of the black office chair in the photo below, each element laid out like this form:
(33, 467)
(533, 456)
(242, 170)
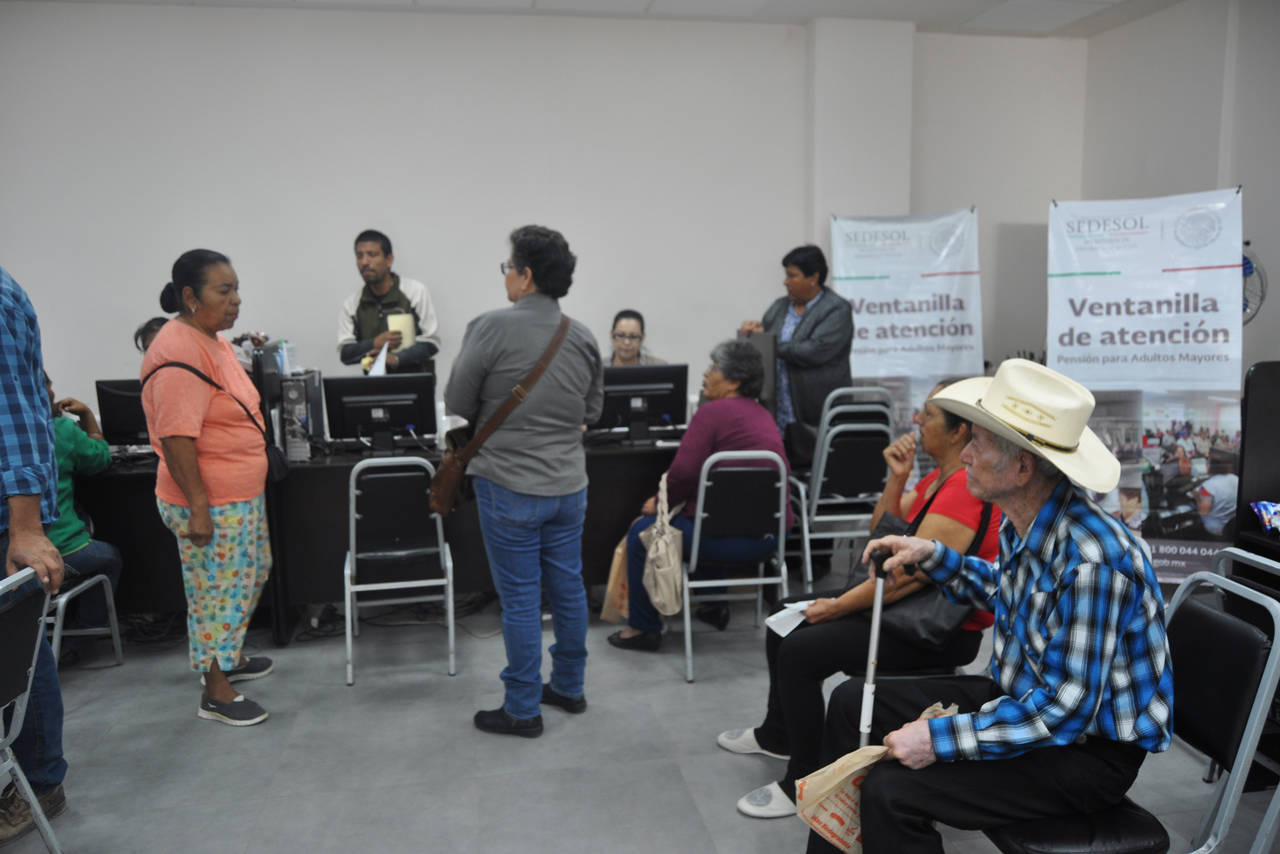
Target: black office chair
(21, 630)
(1225, 674)
(737, 501)
(1227, 562)
(841, 491)
(395, 544)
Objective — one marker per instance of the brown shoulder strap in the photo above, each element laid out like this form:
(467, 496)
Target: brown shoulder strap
(518, 394)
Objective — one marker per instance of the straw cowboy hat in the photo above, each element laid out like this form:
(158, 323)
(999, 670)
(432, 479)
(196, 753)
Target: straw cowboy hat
(1039, 410)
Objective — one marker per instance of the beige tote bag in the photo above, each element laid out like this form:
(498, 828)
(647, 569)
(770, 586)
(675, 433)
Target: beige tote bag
(664, 559)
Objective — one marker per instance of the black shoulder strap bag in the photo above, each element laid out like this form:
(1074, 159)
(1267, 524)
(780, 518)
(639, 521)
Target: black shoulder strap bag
(927, 616)
(277, 462)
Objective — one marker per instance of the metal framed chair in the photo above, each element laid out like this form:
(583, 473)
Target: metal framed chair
(855, 413)
(840, 494)
(21, 630)
(395, 543)
(1226, 672)
(736, 500)
(1225, 562)
(858, 394)
(56, 616)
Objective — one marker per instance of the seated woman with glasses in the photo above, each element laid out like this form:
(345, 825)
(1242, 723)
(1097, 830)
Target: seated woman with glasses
(628, 338)
(732, 419)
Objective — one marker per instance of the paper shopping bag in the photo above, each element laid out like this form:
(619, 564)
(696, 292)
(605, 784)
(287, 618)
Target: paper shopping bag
(615, 609)
(830, 799)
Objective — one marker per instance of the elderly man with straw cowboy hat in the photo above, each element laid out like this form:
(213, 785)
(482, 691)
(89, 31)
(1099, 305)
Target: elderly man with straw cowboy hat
(1080, 686)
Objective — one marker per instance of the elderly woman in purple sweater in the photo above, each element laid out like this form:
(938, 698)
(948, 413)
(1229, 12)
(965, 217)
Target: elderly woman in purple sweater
(732, 419)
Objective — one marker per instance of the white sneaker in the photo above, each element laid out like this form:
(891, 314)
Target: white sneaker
(744, 741)
(767, 802)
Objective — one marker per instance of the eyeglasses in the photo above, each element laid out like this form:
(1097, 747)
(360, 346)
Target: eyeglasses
(627, 336)
(507, 267)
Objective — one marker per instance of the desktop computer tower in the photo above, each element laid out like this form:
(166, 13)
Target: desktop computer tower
(301, 414)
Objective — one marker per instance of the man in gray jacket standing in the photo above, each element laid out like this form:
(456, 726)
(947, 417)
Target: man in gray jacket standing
(814, 326)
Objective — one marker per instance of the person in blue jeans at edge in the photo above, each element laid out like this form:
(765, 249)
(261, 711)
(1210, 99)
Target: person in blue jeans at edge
(732, 419)
(28, 503)
(79, 448)
(530, 477)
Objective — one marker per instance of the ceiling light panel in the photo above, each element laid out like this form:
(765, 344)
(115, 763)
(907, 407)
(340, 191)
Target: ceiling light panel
(1032, 17)
(593, 7)
(707, 8)
(473, 5)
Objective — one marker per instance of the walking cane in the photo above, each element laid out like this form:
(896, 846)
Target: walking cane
(878, 557)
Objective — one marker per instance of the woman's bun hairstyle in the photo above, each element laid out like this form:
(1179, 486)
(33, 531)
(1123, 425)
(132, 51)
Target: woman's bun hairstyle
(189, 272)
(169, 301)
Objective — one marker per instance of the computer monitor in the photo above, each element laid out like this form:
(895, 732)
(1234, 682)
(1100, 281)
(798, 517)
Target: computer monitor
(120, 408)
(644, 396)
(266, 377)
(377, 408)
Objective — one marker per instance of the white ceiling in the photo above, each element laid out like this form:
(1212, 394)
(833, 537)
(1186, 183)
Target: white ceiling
(1056, 18)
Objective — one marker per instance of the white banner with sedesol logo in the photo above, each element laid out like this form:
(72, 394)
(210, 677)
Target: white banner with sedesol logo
(1145, 310)
(916, 292)
(1147, 288)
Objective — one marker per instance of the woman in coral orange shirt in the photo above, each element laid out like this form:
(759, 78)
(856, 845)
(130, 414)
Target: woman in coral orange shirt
(212, 474)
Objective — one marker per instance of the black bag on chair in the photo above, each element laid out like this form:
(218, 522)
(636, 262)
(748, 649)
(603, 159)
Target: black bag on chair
(926, 616)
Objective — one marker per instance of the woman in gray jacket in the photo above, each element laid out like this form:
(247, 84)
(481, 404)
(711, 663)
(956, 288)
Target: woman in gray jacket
(814, 326)
(530, 477)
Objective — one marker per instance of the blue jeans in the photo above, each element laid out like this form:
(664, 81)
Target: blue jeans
(640, 611)
(38, 747)
(534, 544)
(97, 558)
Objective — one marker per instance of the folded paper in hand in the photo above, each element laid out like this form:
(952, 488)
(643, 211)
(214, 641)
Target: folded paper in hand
(785, 621)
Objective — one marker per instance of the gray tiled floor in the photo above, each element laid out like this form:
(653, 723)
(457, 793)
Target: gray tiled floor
(394, 764)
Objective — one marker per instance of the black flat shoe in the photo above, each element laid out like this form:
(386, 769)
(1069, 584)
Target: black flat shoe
(499, 722)
(716, 615)
(572, 705)
(645, 641)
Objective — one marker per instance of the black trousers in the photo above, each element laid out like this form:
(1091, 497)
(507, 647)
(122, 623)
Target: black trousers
(800, 662)
(900, 806)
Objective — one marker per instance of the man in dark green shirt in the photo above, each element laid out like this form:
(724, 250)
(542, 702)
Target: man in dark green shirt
(80, 449)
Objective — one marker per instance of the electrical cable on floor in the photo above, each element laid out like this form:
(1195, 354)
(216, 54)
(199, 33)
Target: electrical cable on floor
(154, 628)
(329, 623)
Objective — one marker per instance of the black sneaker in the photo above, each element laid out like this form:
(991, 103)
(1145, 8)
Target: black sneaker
(239, 712)
(248, 668)
(499, 722)
(572, 705)
(645, 641)
(16, 819)
(715, 615)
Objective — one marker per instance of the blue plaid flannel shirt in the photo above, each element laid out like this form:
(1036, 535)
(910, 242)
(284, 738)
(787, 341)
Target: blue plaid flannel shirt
(27, 464)
(1079, 644)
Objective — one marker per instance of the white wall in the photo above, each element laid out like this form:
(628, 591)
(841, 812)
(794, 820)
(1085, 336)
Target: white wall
(861, 93)
(1154, 110)
(999, 123)
(1188, 99)
(1255, 136)
(681, 159)
(672, 155)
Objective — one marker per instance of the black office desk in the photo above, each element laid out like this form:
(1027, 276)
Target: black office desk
(620, 479)
(308, 513)
(121, 501)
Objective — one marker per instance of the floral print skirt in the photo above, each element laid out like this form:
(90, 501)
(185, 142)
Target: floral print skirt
(224, 579)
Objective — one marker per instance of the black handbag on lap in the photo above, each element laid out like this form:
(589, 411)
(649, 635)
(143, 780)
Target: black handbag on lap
(927, 616)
